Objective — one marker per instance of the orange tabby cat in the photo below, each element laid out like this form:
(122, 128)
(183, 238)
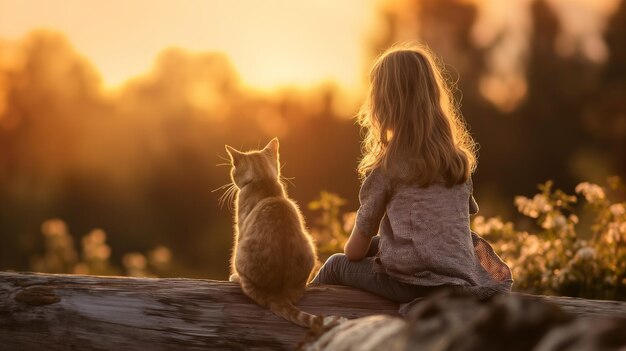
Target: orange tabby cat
(273, 255)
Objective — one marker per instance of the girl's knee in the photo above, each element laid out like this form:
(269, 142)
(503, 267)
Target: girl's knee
(335, 260)
(329, 272)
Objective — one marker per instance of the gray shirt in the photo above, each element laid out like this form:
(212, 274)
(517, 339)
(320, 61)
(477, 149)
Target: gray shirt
(425, 236)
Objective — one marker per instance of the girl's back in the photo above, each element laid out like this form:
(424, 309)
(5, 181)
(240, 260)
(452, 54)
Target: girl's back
(436, 221)
(418, 157)
(425, 236)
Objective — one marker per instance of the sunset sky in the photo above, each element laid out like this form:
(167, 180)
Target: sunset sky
(277, 43)
(271, 43)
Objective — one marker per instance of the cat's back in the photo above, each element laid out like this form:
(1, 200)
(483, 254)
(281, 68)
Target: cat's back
(274, 249)
(275, 229)
(276, 213)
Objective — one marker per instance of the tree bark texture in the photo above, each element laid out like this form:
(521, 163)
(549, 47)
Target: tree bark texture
(72, 312)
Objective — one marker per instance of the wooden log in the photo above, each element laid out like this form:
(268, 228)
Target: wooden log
(61, 312)
(461, 323)
(584, 307)
(577, 307)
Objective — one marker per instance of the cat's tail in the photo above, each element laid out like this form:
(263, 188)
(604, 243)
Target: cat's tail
(291, 313)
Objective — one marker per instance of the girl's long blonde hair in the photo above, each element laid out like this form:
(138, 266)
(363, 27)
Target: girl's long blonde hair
(413, 129)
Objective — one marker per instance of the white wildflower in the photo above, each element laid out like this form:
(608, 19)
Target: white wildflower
(548, 222)
(161, 255)
(532, 245)
(54, 227)
(134, 260)
(541, 203)
(478, 225)
(617, 209)
(348, 221)
(525, 206)
(591, 192)
(560, 221)
(494, 224)
(586, 253)
(613, 233)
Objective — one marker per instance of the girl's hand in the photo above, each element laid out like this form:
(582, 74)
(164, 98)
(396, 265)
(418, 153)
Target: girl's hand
(357, 245)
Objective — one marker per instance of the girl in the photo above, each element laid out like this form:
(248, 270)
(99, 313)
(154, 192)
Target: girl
(417, 192)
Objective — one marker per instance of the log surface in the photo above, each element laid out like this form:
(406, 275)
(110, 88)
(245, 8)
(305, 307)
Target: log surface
(461, 323)
(586, 308)
(71, 312)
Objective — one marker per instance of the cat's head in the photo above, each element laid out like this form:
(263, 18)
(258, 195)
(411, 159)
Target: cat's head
(258, 165)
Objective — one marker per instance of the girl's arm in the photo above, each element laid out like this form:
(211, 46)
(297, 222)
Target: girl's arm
(357, 246)
(373, 199)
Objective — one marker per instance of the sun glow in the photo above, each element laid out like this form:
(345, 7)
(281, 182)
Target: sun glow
(271, 43)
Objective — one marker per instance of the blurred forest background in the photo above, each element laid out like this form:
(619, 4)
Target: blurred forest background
(128, 173)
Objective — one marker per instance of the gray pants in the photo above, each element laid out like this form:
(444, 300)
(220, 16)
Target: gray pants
(339, 270)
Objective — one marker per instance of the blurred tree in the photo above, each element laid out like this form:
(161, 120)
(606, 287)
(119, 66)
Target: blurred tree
(549, 120)
(606, 119)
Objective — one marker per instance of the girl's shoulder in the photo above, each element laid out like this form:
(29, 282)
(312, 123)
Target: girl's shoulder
(377, 178)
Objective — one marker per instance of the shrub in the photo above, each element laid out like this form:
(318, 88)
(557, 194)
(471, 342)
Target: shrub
(561, 258)
(61, 256)
(332, 228)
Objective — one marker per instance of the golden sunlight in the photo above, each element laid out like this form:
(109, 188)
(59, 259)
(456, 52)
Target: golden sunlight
(271, 43)
(114, 116)
(505, 27)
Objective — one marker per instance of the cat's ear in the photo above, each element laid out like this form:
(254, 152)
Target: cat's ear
(234, 154)
(272, 148)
